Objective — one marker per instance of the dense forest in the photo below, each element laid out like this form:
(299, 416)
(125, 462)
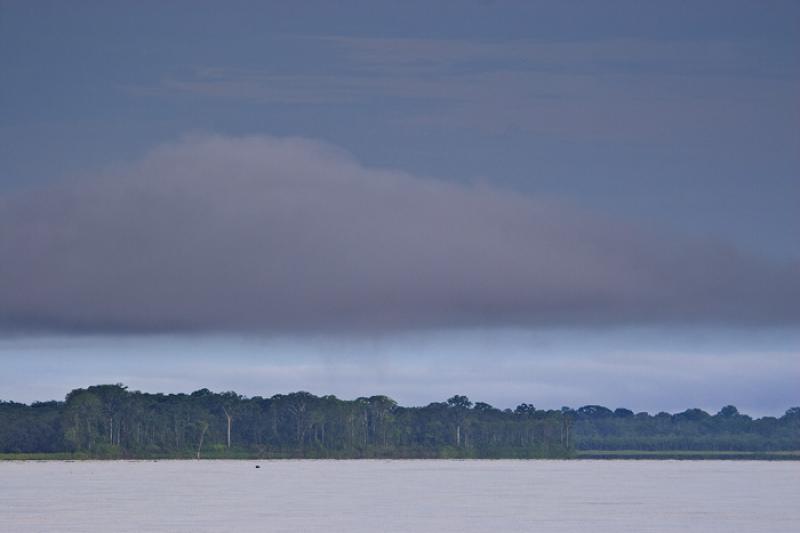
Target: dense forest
(109, 421)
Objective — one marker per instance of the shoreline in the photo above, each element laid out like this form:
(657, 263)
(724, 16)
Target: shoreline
(581, 455)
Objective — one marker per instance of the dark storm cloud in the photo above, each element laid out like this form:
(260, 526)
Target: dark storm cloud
(265, 234)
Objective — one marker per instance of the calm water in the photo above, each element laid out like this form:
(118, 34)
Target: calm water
(412, 496)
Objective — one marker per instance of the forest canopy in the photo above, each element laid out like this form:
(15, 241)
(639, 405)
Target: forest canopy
(108, 421)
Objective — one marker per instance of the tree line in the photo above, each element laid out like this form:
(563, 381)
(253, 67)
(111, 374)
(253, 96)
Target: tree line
(111, 421)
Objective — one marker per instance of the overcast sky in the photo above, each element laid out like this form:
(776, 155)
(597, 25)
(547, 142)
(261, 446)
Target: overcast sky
(558, 203)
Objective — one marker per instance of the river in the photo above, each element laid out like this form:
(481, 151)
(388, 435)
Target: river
(404, 495)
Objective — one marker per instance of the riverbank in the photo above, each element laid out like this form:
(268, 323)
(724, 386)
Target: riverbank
(788, 455)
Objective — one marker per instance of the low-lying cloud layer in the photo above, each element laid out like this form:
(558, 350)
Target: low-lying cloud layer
(282, 235)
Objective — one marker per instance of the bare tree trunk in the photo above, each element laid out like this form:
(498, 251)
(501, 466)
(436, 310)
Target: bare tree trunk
(228, 416)
(202, 436)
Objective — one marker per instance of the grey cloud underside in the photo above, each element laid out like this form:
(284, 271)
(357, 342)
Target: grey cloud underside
(265, 234)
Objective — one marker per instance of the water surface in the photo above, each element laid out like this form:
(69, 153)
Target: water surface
(412, 496)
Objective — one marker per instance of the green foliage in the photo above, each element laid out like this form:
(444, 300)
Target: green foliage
(691, 430)
(109, 421)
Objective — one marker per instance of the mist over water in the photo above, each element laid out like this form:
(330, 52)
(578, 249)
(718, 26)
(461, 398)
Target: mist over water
(420, 496)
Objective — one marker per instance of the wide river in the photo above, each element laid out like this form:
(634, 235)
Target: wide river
(409, 496)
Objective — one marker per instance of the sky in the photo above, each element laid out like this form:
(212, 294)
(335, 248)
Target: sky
(559, 203)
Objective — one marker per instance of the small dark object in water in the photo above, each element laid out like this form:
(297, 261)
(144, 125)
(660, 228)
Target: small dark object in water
(258, 466)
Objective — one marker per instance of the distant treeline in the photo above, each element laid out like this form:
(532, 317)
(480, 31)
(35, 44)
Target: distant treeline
(110, 421)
